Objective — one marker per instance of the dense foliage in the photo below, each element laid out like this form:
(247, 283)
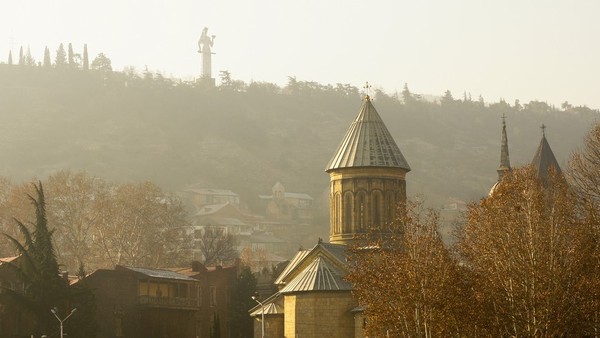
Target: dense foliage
(526, 265)
(101, 224)
(141, 125)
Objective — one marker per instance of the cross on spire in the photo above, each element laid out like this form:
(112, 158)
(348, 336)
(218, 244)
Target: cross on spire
(543, 127)
(367, 87)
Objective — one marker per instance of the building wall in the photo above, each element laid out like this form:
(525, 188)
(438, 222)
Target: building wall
(274, 327)
(359, 325)
(319, 314)
(361, 198)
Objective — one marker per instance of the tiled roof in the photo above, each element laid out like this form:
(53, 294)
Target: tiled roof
(320, 275)
(368, 143)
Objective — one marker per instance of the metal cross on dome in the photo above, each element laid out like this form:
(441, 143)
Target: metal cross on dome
(367, 87)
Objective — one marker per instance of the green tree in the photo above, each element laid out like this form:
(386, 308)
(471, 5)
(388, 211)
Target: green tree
(102, 62)
(61, 57)
(447, 98)
(29, 60)
(47, 60)
(242, 302)
(86, 62)
(71, 56)
(21, 57)
(407, 96)
(38, 268)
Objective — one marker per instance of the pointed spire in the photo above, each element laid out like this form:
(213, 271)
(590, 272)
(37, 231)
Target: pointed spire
(544, 157)
(504, 158)
(368, 143)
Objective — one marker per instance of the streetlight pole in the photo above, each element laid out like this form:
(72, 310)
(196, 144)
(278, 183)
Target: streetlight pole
(262, 307)
(62, 320)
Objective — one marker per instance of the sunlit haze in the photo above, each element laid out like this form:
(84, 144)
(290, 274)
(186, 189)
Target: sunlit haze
(527, 50)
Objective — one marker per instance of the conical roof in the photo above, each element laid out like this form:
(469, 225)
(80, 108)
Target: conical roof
(368, 143)
(544, 158)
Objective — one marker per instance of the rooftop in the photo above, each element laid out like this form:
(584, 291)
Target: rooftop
(368, 143)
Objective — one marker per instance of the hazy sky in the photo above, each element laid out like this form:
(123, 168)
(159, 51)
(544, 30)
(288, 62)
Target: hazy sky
(526, 49)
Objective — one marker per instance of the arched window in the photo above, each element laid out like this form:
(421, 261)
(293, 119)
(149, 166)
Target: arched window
(337, 225)
(376, 208)
(391, 206)
(347, 221)
(361, 211)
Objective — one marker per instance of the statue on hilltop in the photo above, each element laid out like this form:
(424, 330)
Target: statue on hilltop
(204, 48)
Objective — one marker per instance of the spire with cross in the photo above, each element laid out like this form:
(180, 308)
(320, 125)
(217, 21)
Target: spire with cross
(543, 127)
(367, 88)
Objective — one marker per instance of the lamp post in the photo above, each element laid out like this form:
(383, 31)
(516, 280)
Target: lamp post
(62, 320)
(262, 308)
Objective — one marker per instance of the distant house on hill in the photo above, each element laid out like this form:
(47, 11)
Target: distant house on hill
(287, 206)
(207, 196)
(224, 216)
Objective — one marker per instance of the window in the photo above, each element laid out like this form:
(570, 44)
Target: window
(213, 296)
(376, 212)
(347, 222)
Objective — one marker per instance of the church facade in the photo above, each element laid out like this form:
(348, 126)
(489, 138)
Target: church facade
(367, 181)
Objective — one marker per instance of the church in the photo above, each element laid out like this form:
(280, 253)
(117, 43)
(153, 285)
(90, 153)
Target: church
(367, 180)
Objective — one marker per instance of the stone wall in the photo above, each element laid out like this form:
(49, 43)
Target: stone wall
(319, 314)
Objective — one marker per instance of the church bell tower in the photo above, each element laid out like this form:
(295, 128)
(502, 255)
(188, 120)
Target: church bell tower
(367, 177)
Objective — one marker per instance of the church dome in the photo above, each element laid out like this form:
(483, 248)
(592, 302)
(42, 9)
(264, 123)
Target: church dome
(368, 143)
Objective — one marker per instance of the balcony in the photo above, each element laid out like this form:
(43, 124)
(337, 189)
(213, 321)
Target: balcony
(168, 302)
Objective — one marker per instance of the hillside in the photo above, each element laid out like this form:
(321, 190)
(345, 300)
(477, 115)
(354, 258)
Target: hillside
(125, 127)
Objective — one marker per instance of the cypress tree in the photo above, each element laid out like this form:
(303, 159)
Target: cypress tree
(38, 268)
(21, 57)
(47, 61)
(10, 57)
(71, 59)
(29, 60)
(86, 63)
(61, 57)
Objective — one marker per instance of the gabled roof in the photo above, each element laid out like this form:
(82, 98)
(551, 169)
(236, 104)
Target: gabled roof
(300, 255)
(367, 143)
(320, 275)
(334, 253)
(544, 158)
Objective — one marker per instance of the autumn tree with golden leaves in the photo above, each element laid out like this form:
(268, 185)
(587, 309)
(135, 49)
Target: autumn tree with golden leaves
(527, 248)
(584, 174)
(407, 282)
